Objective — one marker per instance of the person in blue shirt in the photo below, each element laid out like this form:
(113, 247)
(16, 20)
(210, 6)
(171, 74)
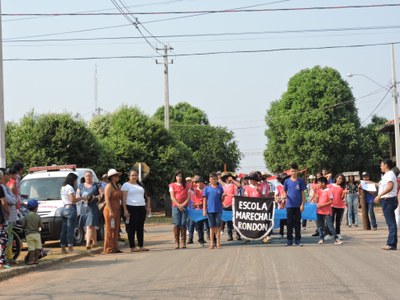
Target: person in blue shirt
(294, 188)
(212, 208)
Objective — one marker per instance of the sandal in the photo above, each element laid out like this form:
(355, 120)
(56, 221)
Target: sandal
(144, 249)
(135, 250)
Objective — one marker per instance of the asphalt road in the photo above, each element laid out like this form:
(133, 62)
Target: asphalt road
(358, 269)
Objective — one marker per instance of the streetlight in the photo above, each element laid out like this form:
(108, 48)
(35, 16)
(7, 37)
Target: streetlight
(393, 88)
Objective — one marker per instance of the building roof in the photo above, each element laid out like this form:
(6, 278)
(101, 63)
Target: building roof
(388, 126)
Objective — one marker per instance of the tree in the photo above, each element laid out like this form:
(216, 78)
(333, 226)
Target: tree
(40, 140)
(211, 147)
(374, 146)
(315, 123)
(129, 136)
(183, 113)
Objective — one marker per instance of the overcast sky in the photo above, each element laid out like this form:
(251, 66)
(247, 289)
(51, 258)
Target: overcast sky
(234, 89)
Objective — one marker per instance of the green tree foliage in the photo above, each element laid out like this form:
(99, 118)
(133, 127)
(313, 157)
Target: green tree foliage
(211, 147)
(41, 140)
(183, 113)
(129, 136)
(315, 123)
(374, 146)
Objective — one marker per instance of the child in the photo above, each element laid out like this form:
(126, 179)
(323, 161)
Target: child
(32, 223)
(294, 188)
(324, 211)
(280, 201)
(212, 207)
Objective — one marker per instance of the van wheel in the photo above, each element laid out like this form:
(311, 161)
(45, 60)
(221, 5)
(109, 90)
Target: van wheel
(79, 236)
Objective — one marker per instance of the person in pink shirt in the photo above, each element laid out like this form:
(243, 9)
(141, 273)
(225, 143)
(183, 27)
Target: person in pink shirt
(280, 201)
(253, 189)
(324, 211)
(179, 192)
(230, 190)
(339, 200)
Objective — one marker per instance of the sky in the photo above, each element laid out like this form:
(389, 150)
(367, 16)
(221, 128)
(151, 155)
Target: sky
(234, 89)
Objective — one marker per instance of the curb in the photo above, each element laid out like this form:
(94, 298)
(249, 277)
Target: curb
(18, 270)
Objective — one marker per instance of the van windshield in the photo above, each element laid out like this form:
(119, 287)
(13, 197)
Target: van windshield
(42, 188)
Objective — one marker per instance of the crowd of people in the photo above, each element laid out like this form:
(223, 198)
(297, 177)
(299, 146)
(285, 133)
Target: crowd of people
(334, 197)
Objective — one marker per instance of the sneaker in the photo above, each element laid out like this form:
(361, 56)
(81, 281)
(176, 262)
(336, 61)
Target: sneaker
(222, 232)
(265, 240)
(338, 242)
(190, 241)
(289, 243)
(375, 229)
(328, 237)
(299, 243)
(315, 234)
(355, 225)
(339, 236)
(201, 244)
(230, 239)
(239, 238)
(349, 225)
(320, 242)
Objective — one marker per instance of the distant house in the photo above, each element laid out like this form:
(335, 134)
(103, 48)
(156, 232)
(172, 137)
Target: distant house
(388, 128)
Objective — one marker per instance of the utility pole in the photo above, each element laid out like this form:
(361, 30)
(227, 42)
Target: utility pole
(166, 84)
(96, 94)
(396, 111)
(2, 124)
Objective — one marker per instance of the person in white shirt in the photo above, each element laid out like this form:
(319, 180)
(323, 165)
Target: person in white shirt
(136, 204)
(387, 195)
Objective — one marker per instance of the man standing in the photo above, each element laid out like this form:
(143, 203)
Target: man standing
(294, 188)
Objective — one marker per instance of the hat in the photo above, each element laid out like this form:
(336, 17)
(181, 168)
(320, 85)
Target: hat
(104, 176)
(188, 178)
(32, 204)
(200, 179)
(113, 172)
(226, 175)
(252, 176)
(218, 172)
(365, 174)
(311, 177)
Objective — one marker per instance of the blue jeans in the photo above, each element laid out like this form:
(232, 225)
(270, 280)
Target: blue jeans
(69, 217)
(321, 221)
(214, 219)
(199, 225)
(388, 207)
(371, 214)
(179, 217)
(352, 207)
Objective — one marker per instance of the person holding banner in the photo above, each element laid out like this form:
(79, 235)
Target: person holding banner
(324, 211)
(230, 190)
(212, 208)
(280, 201)
(253, 189)
(197, 203)
(179, 192)
(294, 188)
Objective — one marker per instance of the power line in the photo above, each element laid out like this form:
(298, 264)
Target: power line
(208, 34)
(376, 107)
(207, 53)
(210, 11)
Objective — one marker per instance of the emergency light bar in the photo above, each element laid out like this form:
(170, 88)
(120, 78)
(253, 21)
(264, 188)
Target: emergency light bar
(52, 168)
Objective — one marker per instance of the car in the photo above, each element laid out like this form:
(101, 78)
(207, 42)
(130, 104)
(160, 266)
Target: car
(44, 184)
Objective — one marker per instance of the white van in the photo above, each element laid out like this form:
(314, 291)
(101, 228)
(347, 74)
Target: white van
(44, 184)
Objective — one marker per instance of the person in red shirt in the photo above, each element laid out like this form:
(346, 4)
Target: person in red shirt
(179, 192)
(324, 211)
(230, 187)
(197, 203)
(339, 200)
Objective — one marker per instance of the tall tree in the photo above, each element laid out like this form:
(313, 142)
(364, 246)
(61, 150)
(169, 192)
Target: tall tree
(51, 139)
(211, 147)
(374, 146)
(130, 136)
(315, 123)
(183, 113)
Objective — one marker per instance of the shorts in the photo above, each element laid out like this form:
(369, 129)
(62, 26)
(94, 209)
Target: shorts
(214, 219)
(34, 241)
